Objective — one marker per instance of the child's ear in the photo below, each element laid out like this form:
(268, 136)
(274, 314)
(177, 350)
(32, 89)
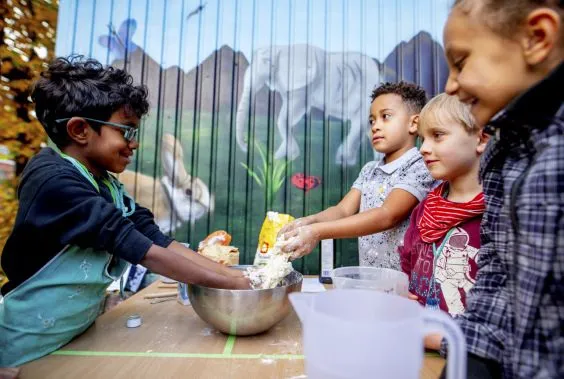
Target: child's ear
(483, 139)
(542, 31)
(78, 130)
(413, 124)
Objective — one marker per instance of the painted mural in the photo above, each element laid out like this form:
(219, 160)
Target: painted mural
(255, 105)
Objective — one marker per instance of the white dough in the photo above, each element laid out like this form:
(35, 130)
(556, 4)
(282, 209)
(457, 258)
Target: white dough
(275, 270)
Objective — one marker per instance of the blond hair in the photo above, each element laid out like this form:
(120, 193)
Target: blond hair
(444, 109)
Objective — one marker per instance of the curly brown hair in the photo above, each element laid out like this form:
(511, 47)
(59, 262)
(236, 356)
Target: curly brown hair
(505, 16)
(412, 95)
(80, 86)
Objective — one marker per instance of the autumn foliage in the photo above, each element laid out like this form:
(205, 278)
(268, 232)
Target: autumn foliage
(27, 40)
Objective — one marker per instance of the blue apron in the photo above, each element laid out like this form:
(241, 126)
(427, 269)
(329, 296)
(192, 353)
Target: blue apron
(64, 297)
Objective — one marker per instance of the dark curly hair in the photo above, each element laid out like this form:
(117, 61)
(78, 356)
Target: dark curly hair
(412, 95)
(506, 16)
(78, 86)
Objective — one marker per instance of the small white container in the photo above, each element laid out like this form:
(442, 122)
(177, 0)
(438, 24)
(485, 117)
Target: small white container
(371, 278)
(134, 321)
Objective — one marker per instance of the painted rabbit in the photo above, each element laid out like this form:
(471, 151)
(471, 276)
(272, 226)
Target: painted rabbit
(177, 197)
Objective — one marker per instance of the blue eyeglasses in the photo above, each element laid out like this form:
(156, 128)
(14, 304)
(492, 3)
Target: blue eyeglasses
(129, 132)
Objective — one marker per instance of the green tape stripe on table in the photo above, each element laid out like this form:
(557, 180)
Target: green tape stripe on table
(81, 353)
(85, 353)
(229, 345)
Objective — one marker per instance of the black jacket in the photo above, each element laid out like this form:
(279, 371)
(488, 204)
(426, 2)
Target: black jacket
(57, 207)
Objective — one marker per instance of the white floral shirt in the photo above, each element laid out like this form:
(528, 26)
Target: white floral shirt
(375, 181)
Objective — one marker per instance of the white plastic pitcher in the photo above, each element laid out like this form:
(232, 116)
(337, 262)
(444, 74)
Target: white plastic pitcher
(369, 334)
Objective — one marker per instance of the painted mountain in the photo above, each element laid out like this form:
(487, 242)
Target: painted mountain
(420, 60)
(215, 85)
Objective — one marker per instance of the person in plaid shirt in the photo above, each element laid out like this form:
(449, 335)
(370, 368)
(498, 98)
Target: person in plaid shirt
(506, 60)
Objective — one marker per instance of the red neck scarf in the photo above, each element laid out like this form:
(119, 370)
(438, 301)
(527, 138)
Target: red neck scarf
(441, 215)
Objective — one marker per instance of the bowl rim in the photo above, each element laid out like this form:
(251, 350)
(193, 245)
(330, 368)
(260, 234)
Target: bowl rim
(243, 267)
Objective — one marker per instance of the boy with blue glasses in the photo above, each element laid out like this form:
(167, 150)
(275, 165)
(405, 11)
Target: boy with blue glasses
(129, 131)
(76, 227)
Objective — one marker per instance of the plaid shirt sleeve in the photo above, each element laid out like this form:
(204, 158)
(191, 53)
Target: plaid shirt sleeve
(539, 254)
(515, 310)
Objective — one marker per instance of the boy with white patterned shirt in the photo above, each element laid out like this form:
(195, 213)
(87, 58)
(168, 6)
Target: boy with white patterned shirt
(378, 206)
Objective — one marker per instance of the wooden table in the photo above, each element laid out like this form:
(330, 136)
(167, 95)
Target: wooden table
(173, 342)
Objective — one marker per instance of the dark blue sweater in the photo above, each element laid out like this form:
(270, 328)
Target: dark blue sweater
(58, 206)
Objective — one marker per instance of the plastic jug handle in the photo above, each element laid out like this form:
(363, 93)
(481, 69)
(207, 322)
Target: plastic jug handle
(439, 322)
(302, 304)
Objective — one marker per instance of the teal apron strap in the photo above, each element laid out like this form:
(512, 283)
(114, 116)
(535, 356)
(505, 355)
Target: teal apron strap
(82, 169)
(116, 188)
(432, 300)
(119, 194)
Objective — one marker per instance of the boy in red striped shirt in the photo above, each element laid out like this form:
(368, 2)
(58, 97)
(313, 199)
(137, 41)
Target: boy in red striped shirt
(442, 241)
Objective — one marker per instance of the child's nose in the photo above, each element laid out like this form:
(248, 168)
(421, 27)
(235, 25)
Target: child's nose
(451, 86)
(424, 149)
(133, 144)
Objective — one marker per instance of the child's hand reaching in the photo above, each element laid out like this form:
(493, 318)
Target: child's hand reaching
(231, 272)
(301, 241)
(241, 283)
(297, 223)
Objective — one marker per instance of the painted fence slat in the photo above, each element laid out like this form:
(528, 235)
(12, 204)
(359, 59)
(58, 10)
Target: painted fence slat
(256, 105)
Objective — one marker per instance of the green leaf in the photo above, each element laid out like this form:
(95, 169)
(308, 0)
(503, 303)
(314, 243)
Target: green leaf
(262, 174)
(265, 168)
(279, 184)
(279, 168)
(261, 152)
(252, 174)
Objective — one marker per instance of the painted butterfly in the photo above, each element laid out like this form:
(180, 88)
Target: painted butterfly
(306, 183)
(120, 42)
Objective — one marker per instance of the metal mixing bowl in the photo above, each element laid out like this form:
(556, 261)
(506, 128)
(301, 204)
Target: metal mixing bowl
(244, 312)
